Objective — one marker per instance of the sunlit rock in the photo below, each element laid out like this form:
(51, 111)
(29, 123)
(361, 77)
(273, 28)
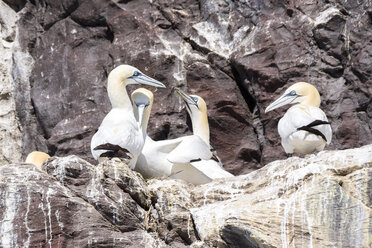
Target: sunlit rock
(10, 133)
(171, 215)
(322, 200)
(76, 205)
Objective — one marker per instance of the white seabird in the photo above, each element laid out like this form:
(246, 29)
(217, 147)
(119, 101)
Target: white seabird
(119, 134)
(177, 158)
(197, 109)
(304, 128)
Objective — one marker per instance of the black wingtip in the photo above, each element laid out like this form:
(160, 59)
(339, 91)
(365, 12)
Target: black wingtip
(195, 160)
(113, 151)
(317, 123)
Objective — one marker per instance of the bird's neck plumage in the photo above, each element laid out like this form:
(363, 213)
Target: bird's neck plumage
(117, 93)
(145, 121)
(200, 126)
(312, 98)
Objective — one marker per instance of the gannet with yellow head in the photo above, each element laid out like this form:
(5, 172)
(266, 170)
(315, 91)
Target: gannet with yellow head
(304, 128)
(37, 158)
(197, 110)
(153, 160)
(175, 157)
(119, 134)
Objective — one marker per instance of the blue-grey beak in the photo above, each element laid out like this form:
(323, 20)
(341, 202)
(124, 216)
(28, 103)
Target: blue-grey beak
(281, 101)
(143, 79)
(187, 99)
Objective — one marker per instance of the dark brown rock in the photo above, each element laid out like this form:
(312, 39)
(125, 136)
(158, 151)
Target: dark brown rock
(237, 55)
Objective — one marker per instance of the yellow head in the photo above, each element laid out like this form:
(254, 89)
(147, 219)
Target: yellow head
(120, 77)
(197, 109)
(301, 92)
(37, 158)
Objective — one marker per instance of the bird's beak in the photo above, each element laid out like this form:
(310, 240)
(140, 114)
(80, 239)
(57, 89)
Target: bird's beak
(188, 100)
(281, 101)
(141, 112)
(143, 79)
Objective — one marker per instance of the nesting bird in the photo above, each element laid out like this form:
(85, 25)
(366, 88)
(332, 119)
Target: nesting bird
(37, 158)
(197, 110)
(179, 158)
(119, 134)
(304, 128)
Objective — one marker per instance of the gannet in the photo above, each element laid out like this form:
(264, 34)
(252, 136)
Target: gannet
(304, 128)
(197, 109)
(37, 158)
(177, 158)
(119, 134)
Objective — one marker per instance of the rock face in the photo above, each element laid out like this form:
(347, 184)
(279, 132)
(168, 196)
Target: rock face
(322, 200)
(74, 205)
(10, 133)
(237, 55)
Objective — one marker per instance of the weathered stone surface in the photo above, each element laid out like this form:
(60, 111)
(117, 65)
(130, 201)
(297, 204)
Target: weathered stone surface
(237, 55)
(76, 205)
(171, 216)
(10, 133)
(321, 200)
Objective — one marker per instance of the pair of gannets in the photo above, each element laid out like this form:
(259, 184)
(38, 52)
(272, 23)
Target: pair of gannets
(188, 158)
(304, 128)
(119, 134)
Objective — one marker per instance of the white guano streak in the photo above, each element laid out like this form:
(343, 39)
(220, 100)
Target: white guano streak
(8, 237)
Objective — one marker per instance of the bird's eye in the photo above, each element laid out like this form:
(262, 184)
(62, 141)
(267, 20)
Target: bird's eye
(195, 99)
(136, 74)
(292, 93)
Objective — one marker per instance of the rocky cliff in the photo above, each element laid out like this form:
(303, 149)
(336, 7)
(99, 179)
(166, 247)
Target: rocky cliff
(322, 200)
(237, 55)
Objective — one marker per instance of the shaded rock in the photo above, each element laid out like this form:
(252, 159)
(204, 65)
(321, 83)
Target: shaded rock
(17, 5)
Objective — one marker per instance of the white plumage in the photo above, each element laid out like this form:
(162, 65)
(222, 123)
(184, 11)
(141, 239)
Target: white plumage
(302, 141)
(119, 132)
(304, 128)
(119, 128)
(187, 158)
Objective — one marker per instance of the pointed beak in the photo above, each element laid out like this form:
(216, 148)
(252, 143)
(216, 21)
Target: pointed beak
(185, 97)
(143, 79)
(281, 101)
